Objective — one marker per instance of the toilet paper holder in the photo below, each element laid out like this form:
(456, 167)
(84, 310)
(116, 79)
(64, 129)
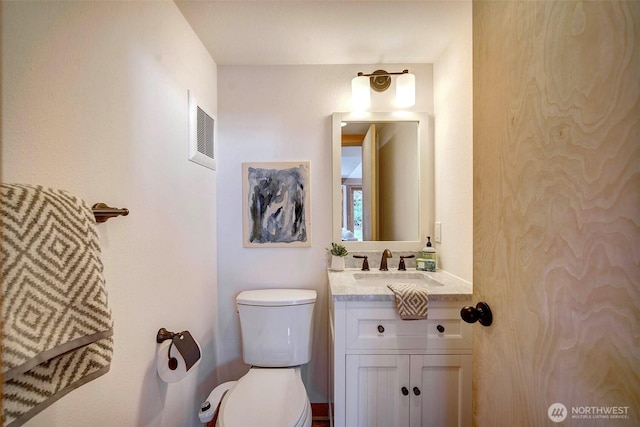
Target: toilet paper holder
(161, 337)
(185, 344)
(164, 335)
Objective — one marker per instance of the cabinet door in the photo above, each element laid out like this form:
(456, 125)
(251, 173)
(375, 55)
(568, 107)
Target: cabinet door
(374, 396)
(440, 390)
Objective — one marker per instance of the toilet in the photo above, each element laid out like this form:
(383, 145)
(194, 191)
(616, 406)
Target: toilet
(276, 327)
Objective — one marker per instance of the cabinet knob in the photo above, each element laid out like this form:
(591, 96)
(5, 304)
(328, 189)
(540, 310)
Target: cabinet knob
(405, 392)
(416, 391)
(381, 329)
(440, 328)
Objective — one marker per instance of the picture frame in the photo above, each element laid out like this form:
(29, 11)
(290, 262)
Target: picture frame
(276, 205)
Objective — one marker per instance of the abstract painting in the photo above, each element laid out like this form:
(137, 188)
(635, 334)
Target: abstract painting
(276, 204)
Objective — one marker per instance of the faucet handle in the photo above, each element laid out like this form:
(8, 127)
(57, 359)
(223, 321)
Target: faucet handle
(365, 263)
(401, 265)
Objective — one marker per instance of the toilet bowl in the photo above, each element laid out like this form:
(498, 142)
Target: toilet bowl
(266, 397)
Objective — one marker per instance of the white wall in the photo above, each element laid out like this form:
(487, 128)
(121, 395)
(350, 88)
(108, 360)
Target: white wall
(94, 101)
(453, 103)
(283, 113)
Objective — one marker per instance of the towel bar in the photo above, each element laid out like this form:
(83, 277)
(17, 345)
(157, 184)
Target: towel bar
(102, 212)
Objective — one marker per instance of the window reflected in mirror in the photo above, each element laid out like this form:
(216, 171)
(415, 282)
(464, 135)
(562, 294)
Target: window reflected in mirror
(352, 212)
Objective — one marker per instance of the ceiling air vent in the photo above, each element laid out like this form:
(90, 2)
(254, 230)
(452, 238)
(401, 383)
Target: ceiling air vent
(202, 135)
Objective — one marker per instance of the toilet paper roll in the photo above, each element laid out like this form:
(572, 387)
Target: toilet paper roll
(187, 354)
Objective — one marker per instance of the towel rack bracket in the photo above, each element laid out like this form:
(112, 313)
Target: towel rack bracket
(102, 212)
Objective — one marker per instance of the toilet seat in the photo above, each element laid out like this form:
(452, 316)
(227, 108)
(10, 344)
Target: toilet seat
(267, 397)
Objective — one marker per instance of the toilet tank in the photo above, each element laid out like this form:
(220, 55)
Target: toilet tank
(276, 326)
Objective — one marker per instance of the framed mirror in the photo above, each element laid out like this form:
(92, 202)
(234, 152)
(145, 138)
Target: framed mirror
(382, 180)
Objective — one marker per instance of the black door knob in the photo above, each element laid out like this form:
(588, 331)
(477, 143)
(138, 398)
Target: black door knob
(405, 391)
(416, 391)
(381, 329)
(440, 328)
(481, 312)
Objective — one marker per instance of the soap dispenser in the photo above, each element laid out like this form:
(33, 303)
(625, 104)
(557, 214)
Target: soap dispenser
(429, 255)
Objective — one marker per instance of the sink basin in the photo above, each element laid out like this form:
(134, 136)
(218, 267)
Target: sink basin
(386, 278)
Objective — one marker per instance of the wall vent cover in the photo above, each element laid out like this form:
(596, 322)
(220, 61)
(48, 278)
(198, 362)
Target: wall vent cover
(202, 135)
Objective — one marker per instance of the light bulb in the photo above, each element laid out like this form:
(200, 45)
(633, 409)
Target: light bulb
(406, 90)
(360, 94)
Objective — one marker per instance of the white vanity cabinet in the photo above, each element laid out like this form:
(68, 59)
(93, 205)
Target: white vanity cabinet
(393, 373)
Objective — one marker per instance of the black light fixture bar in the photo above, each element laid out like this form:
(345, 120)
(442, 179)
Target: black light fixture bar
(382, 73)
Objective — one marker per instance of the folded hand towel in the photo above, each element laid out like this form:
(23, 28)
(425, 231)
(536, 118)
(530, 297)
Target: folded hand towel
(412, 301)
(56, 324)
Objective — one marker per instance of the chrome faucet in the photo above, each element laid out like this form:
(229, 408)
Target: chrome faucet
(383, 262)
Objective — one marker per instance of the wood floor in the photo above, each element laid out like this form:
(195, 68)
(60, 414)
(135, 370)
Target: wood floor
(314, 423)
(320, 413)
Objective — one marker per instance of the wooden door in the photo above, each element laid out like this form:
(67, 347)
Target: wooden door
(441, 390)
(374, 395)
(370, 185)
(556, 211)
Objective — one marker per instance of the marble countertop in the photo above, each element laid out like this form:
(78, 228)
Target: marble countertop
(442, 286)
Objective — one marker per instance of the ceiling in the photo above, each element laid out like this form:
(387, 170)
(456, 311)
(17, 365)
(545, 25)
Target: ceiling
(307, 32)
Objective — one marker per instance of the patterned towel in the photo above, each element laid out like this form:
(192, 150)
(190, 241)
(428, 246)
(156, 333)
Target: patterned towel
(412, 301)
(56, 324)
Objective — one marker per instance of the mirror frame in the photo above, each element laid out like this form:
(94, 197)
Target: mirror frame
(426, 206)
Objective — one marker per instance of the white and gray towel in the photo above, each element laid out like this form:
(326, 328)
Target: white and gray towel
(412, 301)
(56, 323)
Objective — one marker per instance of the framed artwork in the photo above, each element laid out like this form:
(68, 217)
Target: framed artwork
(276, 204)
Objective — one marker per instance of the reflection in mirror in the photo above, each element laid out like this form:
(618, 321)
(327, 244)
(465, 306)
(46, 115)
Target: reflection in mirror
(382, 180)
(379, 181)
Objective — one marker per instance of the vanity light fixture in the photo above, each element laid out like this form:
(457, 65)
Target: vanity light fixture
(380, 80)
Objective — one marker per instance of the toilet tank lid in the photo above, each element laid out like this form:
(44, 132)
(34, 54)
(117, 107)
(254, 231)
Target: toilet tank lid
(276, 297)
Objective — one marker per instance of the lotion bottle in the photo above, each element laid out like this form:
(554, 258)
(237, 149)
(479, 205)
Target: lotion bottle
(429, 253)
